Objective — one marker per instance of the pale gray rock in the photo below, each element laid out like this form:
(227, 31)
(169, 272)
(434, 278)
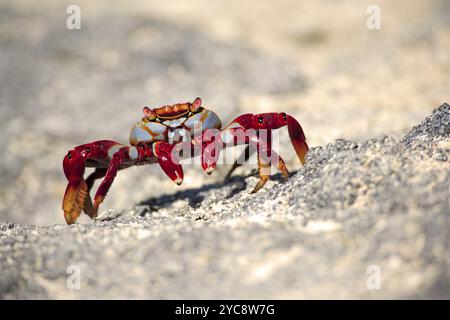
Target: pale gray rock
(382, 205)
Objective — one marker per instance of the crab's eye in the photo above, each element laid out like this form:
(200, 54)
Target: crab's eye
(88, 149)
(196, 105)
(260, 119)
(284, 116)
(69, 155)
(149, 113)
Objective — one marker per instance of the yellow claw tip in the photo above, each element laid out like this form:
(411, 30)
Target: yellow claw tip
(69, 218)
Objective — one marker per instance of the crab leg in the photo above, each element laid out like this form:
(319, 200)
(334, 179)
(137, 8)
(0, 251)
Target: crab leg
(88, 206)
(117, 160)
(266, 157)
(108, 157)
(168, 161)
(264, 153)
(76, 197)
(160, 149)
(246, 129)
(97, 174)
(298, 138)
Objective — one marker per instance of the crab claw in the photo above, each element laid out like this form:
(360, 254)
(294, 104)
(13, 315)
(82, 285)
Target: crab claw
(298, 138)
(210, 150)
(171, 168)
(209, 158)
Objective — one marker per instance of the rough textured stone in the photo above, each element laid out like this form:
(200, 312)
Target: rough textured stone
(382, 202)
(357, 203)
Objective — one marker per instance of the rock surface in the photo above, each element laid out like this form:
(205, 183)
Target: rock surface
(382, 205)
(356, 204)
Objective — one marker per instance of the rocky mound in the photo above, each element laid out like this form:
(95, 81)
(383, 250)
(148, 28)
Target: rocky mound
(360, 220)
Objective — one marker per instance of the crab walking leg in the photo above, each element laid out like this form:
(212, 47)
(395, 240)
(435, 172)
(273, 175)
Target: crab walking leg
(117, 159)
(95, 154)
(97, 174)
(266, 157)
(264, 154)
(248, 152)
(264, 165)
(264, 174)
(273, 157)
(298, 138)
(76, 196)
(88, 206)
(108, 157)
(258, 140)
(228, 137)
(160, 149)
(276, 120)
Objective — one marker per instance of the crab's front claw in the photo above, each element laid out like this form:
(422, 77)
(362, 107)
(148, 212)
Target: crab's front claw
(210, 150)
(168, 162)
(298, 138)
(210, 154)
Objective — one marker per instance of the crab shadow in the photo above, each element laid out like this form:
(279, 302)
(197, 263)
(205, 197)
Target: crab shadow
(195, 196)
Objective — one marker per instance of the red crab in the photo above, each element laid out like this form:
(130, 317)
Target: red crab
(154, 138)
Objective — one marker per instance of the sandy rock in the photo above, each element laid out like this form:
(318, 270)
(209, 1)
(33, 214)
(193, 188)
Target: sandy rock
(360, 220)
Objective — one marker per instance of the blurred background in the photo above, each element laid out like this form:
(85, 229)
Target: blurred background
(316, 60)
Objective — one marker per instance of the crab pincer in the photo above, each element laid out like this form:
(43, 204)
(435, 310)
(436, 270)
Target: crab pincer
(168, 162)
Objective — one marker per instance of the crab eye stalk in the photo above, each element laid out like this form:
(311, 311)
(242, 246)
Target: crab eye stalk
(149, 113)
(284, 116)
(196, 105)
